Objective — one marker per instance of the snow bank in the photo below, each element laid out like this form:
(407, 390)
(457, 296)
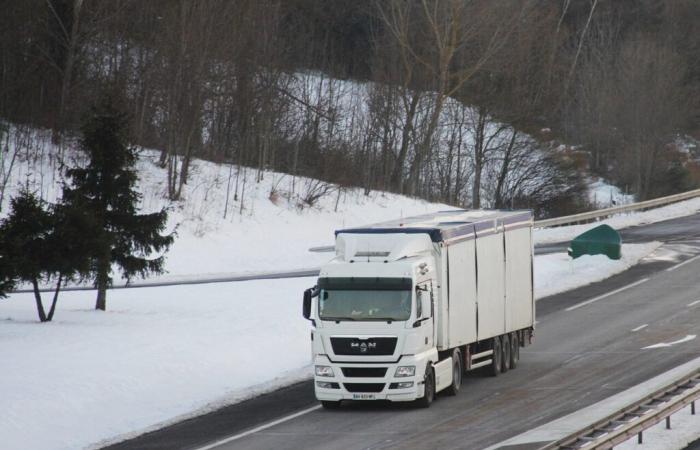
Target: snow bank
(161, 354)
(557, 272)
(680, 209)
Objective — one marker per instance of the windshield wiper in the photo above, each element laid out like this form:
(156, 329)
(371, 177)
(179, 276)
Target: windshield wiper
(339, 319)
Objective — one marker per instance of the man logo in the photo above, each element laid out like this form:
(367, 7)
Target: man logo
(363, 346)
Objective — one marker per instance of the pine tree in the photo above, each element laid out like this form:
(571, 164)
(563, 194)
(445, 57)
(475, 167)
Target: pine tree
(40, 242)
(106, 188)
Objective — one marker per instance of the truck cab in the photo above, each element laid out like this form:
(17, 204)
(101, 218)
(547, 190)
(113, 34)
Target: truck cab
(373, 316)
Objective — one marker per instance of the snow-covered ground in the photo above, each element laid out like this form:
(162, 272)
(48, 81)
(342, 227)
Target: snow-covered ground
(161, 354)
(685, 428)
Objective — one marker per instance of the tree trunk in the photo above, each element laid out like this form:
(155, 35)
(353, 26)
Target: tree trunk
(397, 172)
(37, 297)
(55, 298)
(101, 302)
(498, 200)
(102, 280)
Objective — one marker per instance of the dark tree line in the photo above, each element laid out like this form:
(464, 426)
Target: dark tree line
(255, 83)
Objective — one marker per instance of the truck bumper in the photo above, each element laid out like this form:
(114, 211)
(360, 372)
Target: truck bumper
(345, 384)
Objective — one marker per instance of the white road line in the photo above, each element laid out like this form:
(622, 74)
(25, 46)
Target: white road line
(601, 297)
(687, 261)
(640, 327)
(260, 428)
(689, 337)
(694, 303)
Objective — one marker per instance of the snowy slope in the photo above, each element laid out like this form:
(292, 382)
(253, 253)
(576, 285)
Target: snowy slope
(268, 228)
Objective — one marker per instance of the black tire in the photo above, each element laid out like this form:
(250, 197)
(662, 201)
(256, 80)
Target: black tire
(505, 346)
(330, 404)
(496, 359)
(457, 372)
(514, 350)
(429, 395)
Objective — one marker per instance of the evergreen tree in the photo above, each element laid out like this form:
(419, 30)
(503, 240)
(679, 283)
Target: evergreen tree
(106, 189)
(43, 242)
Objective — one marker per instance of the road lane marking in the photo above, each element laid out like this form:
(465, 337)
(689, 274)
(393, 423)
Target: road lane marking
(601, 297)
(687, 261)
(260, 428)
(640, 327)
(694, 303)
(689, 337)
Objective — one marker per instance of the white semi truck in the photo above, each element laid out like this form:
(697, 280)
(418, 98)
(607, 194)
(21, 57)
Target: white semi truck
(405, 308)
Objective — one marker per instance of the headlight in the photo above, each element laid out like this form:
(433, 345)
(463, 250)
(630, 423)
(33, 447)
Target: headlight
(404, 371)
(324, 371)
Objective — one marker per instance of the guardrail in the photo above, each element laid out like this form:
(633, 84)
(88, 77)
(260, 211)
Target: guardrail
(607, 212)
(635, 418)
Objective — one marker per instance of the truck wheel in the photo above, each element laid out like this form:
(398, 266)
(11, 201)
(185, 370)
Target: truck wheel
(514, 350)
(330, 404)
(429, 391)
(505, 345)
(495, 368)
(454, 388)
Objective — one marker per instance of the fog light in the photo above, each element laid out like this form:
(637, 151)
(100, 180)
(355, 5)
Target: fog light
(324, 371)
(327, 385)
(405, 371)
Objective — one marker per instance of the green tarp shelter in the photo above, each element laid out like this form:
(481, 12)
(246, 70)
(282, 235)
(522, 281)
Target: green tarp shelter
(601, 240)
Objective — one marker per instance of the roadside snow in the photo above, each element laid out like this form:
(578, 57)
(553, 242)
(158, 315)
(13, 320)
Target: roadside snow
(165, 353)
(680, 209)
(685, 429)
(557, 272)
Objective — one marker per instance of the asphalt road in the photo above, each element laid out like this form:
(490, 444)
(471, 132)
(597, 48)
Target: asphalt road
(579, 357)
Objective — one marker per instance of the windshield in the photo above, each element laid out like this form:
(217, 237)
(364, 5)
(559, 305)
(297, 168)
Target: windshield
(365, 299)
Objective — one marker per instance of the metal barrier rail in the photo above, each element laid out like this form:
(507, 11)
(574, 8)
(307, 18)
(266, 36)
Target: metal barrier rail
(634, 419)
(600, 213)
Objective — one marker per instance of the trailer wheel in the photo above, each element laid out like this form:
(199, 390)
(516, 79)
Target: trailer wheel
(514, 350)
(457, 371)
(505, 345)
(429, 391)
(496, 359)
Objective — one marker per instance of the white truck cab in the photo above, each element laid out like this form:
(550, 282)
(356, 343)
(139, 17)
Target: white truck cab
(381, 313)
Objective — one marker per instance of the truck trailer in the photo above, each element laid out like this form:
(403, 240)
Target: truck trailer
(406, 307)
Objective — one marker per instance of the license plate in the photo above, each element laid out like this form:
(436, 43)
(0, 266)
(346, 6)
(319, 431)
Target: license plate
(363, 396)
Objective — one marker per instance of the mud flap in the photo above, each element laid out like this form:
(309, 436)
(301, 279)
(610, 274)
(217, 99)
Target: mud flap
(443, 374)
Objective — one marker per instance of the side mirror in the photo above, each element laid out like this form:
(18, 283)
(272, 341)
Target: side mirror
(308, 295)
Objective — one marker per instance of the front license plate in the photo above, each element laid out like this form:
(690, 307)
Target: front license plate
(363, 396)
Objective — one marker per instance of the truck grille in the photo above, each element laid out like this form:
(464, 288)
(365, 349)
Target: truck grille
(376, 346)
(367, 372)
(364, 387)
